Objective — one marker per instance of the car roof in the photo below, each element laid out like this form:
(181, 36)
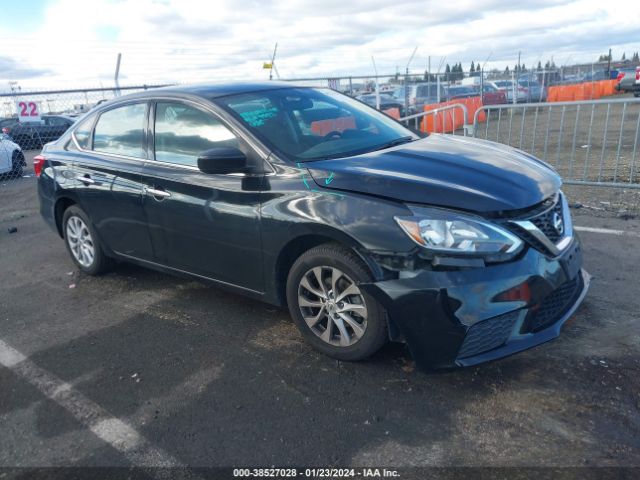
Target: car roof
(208, 90)
(215, 90)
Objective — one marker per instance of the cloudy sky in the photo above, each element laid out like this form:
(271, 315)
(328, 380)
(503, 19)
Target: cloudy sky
(74, 43)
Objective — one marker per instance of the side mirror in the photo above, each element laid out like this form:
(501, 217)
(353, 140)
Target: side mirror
(222, 160)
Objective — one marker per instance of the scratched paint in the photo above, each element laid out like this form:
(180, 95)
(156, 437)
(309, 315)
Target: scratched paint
(307, 184)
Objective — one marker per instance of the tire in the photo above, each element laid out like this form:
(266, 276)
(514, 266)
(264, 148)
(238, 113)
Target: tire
(76, 225)
(17, 164)
(364, 331)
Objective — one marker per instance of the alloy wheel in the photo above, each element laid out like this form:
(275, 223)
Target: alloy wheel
(332, 306)
(80, 241)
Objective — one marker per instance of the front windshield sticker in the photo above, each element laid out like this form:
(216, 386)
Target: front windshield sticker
(256, 118)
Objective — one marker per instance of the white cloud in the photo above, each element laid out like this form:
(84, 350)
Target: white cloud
(194, 40)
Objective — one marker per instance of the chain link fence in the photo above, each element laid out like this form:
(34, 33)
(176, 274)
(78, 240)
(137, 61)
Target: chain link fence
(28, 120)
(587, 142)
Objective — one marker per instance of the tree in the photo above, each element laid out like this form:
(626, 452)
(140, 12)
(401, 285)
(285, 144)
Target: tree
(624, 57)
(635, 57)
(539, 65)
(473, 68)
(429, 77)
(506, 70)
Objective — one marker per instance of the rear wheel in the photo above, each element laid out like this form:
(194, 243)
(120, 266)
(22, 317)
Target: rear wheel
(334, 314)
(17, 163)
(83, 243)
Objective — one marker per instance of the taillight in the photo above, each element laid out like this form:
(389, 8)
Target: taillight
(38, 164)
(5, 130)
(637, 74)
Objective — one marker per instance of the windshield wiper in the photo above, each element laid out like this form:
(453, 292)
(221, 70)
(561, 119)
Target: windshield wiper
(394, 143)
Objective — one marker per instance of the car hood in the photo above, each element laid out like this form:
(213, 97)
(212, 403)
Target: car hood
(444, 170)
(10, 145)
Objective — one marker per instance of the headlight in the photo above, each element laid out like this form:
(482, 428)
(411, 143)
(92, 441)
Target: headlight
(449, 232)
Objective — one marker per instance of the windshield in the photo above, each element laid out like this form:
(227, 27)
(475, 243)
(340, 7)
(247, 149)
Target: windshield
(398, 93)
(310, 124)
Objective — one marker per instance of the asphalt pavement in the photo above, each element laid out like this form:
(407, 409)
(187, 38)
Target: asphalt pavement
(138, 368)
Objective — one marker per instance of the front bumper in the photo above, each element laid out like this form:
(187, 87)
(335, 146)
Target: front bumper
(464, 317)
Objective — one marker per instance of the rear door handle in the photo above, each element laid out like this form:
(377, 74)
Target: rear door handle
(154, 192)
(86, 179)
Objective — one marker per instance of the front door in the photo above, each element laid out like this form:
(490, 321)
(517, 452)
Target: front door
(200, 223)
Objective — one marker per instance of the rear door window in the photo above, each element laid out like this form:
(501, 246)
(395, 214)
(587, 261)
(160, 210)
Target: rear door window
(121, 131)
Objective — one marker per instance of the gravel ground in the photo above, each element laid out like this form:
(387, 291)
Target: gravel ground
(206, 378)
(581, 142)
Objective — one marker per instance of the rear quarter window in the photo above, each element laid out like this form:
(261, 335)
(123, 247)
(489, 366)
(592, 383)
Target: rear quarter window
(82, 133)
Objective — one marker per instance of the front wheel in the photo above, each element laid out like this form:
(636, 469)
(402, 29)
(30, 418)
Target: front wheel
(83, 243)
(333, 313)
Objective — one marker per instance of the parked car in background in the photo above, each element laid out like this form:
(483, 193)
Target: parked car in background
(596, 76)
(386, 102)
(626, 80)
(33, 135)
(460, 91)
(491, 94)
(12, 159)
(427, 94)
(306, 198)
(512, 90)
(535, 91)
(420, 94)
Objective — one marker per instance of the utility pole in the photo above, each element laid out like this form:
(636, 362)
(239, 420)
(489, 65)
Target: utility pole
(406, 81)
(117, 75)
(429, 76)
(273, 59)
(442, 60)
(375, 69)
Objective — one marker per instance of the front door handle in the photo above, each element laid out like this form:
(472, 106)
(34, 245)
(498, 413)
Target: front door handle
(154, 192)
(86, 179)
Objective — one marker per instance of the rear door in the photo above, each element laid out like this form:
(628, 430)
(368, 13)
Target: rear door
(201, 223)
(107, 177)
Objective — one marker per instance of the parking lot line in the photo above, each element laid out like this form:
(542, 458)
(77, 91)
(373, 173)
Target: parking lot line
(117, 433)
(607, 231)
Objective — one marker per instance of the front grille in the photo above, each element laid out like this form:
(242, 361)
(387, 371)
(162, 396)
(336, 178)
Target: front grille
(554, 306)
(541, 216)
(544, 222)
(488, 334)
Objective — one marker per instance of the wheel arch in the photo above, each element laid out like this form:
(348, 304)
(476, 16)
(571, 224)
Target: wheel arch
(305, 241)
(61, 205)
